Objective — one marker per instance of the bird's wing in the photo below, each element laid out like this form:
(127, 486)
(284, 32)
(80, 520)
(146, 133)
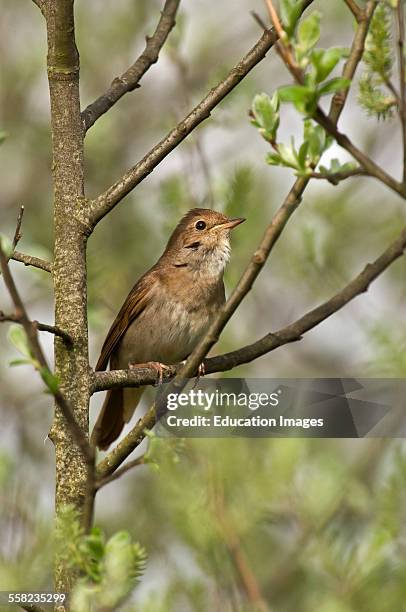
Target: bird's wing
(135, 303)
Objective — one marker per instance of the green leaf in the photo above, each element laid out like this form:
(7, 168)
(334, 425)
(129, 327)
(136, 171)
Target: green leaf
(3, 136)
(336, 84)
(324, 61)
(304, 98)
(18, 337)
(290, 12)
(51, 380)
(273, 159)
(317, 139)
(6, 246)
(308, 32)
(288, 155)
(18, 362)
(265, 115)
(302, 156)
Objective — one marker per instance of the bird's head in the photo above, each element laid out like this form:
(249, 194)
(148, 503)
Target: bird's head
(201, 241)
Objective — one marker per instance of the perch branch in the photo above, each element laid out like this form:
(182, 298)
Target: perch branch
(130, 79)
(291, 333)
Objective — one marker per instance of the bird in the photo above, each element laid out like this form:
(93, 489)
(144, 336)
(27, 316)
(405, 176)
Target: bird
(167, 312)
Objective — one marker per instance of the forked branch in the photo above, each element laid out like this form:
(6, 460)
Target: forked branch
(130, 79)
(32, 337)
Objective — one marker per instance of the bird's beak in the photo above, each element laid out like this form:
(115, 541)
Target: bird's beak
(231, 223)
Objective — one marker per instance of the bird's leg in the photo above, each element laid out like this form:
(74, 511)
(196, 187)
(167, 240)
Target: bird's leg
(201, 371)
(155, 365)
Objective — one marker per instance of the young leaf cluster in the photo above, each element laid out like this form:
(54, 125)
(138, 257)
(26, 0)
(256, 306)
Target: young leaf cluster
(374, 88)
(109, 569)
(265, 116)
(316, 66)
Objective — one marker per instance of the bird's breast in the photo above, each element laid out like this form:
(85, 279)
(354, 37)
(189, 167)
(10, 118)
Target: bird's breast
(171, 325)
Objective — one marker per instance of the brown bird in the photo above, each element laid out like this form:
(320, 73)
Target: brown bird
(167, 311)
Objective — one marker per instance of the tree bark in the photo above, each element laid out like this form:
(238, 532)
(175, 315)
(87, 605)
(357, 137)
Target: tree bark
(69, 267)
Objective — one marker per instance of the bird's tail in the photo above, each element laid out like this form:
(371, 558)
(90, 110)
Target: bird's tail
(118, 408)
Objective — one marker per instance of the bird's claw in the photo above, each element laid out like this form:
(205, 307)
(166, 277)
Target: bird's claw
(155, 365)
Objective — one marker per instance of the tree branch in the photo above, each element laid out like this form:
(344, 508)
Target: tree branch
(279, 220)
(29, 260)
(17, 234)
(125, 468)
(230, 535)
(114, 194)
(400, 21)
(366, 162)
(32, 336)
(355, 9)
(336, 177)
(330, 125)
(51, 329)
(130, 79)
(291, 333)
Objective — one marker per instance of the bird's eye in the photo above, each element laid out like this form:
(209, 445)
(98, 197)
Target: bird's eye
(200, 225)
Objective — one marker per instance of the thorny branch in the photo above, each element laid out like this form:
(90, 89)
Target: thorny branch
(130, 79)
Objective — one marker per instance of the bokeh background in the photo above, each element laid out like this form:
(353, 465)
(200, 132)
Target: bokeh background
(319, 523)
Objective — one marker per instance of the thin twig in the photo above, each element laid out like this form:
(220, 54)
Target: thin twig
(114, 194)
(330, 126)
(17, 233)
(29, 260)
(283, 46)
(259, 20)
(230, 535)
(125, 468)
(32, 336)
(364, 160)
(355, 9)
(336, 177)
(130, 79)
(400, 21)
(51, 329)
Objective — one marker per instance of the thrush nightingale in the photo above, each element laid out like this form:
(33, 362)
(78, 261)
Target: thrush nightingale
(167, 311)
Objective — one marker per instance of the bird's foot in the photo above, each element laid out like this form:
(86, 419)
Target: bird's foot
(155, 365)
(201, 371)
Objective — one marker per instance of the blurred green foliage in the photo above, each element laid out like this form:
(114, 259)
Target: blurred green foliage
(319, 523)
